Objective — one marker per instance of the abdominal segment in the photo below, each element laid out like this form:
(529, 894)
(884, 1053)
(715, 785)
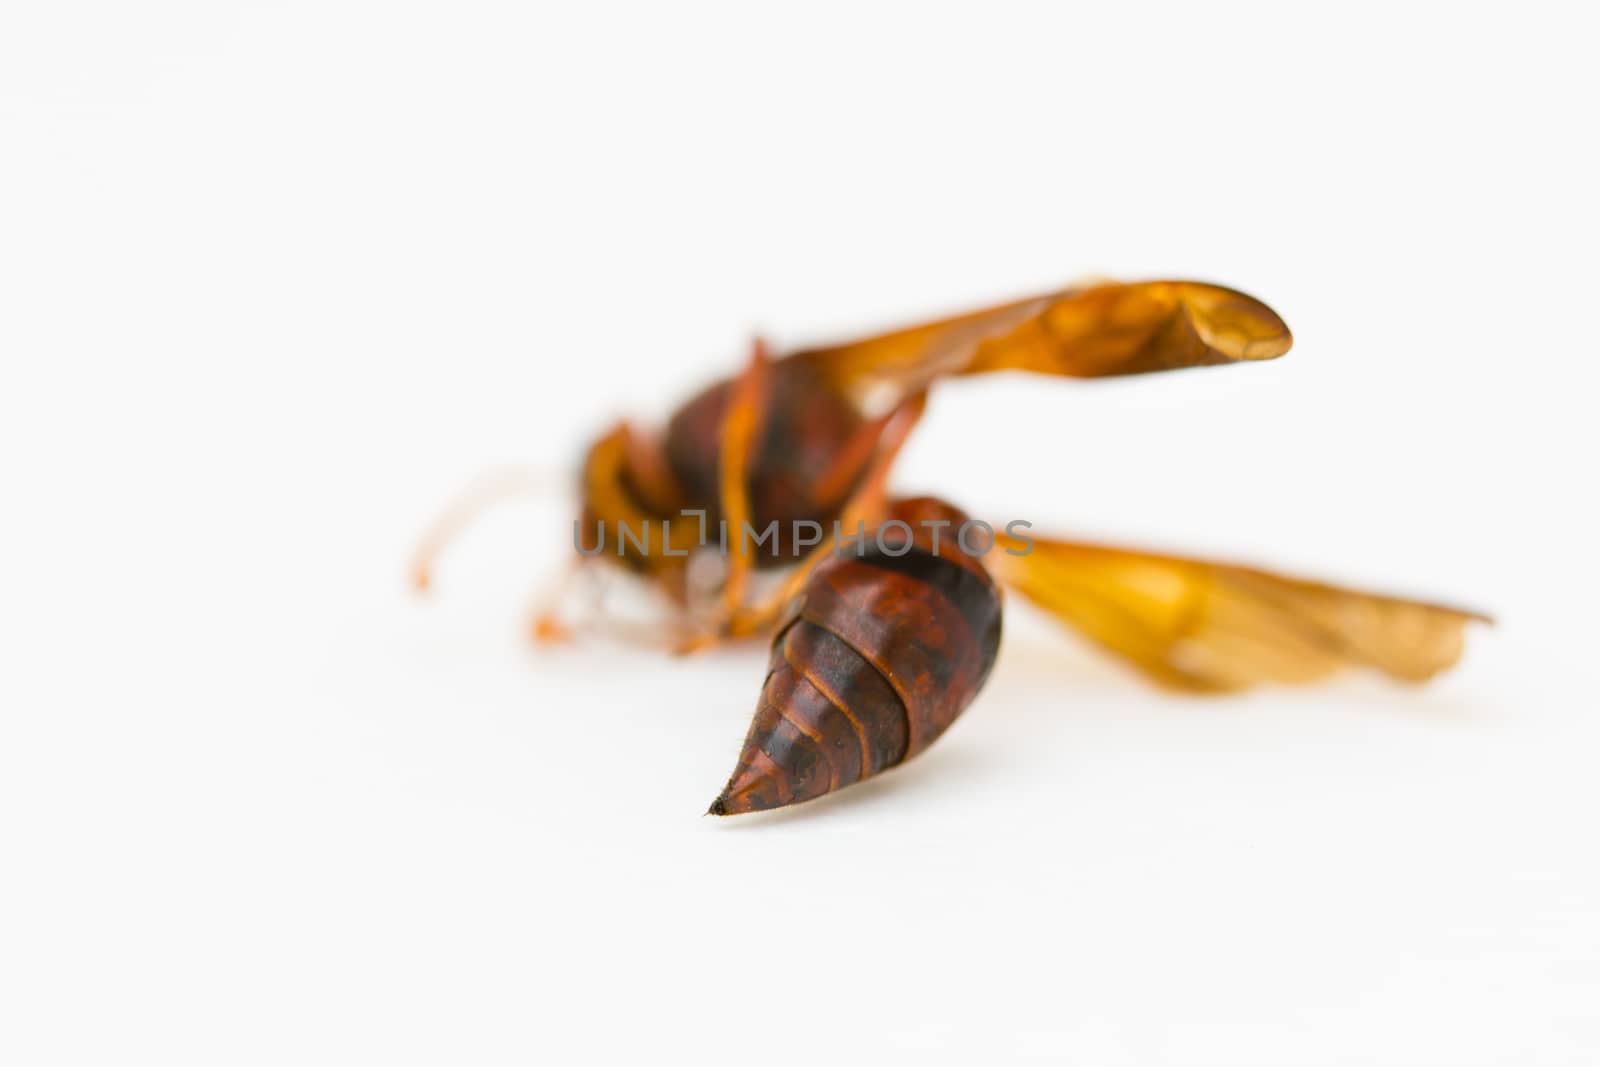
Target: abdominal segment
(826, 718)
(878, 657)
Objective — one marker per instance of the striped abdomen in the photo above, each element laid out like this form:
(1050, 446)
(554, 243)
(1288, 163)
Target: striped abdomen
(876, 658)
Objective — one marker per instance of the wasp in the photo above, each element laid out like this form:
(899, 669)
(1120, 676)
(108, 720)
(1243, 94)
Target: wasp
(881, 631)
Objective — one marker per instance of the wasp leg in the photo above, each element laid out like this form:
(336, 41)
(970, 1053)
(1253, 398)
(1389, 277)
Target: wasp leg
(741, 437)
(865, 508)
(705, 624)
(544, 624)
(549, 624)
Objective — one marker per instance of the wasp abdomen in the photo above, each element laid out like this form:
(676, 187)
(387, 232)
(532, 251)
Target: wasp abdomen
(879, 656)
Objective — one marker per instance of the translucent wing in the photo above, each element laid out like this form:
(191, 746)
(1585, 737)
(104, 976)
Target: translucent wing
(1093, 331)
(1216, 627)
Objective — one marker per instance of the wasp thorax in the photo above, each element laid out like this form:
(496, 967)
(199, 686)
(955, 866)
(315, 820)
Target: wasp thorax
(813, 448)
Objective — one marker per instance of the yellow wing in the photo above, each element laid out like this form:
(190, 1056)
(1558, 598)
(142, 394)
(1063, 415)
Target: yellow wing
(1093, 331)
(1215, 627)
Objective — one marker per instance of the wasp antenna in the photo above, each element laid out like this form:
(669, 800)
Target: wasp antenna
(487, 491)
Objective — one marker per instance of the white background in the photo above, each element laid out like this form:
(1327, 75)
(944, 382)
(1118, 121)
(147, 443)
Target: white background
(276, 281)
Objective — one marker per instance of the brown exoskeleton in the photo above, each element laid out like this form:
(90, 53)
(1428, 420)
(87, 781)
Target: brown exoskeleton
(875, 651)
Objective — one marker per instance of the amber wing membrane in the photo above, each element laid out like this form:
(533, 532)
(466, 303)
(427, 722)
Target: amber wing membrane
(1216, 627)
(1092, 331)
